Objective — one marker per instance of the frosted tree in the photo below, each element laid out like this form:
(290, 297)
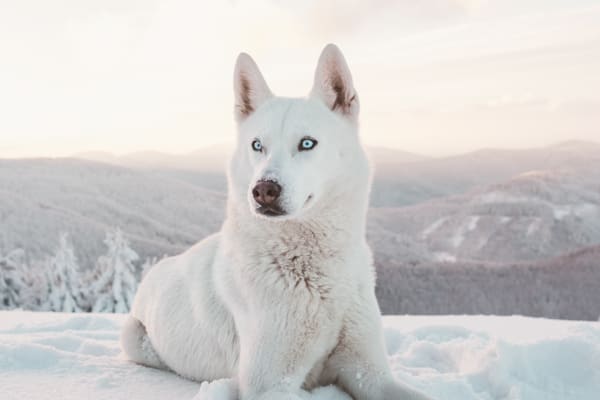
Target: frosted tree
(63, 278)
(148, 265)
(34, 295)
(116, 280)
(11, 282)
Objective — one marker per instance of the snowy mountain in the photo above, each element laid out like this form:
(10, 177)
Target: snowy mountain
(532, 216)
(490, 238)
(166, 203)
(74, 356)
(41, 198)
(400, 185)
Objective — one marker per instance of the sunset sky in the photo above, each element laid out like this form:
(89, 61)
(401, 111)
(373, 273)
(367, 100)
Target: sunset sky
(434, 76)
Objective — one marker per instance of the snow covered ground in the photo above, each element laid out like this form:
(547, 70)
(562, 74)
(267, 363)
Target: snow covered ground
(77, 356)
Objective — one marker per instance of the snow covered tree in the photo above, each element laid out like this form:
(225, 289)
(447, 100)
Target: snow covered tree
(148, 265)
(11, 282)
(116, 280)
(36, 287)
(63, 278)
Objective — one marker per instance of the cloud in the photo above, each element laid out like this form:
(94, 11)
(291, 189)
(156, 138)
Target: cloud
(338, 17)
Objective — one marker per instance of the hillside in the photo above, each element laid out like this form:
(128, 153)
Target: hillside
(399, 185)
(531, 216)
(40, 198)
(563, 287)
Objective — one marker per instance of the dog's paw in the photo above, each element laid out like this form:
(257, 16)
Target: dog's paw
(222, 389)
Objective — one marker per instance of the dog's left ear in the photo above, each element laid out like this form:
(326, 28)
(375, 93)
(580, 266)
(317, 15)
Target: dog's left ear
(249, 86)
(333, 83)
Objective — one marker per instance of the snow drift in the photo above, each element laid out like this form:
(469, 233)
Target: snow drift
(77, 356)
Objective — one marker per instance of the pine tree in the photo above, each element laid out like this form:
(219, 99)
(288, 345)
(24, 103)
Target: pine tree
(116, 280)
(147, 266)
(63, 278)
(11, 282)
(36, 288)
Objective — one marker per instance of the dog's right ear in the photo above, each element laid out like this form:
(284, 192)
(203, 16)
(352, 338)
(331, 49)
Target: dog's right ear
(250, 88)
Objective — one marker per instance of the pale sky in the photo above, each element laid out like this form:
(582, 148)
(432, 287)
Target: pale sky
(434, 76)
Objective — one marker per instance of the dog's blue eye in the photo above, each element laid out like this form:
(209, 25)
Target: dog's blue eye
(307, 144)
(256, 145)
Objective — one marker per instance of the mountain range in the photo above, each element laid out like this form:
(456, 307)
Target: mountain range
(501, 206)
(40, 198)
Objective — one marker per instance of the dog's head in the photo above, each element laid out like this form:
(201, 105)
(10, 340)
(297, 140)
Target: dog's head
(293, 153)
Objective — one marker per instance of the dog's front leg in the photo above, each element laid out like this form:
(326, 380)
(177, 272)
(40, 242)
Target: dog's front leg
(277, 351)
(360, 363)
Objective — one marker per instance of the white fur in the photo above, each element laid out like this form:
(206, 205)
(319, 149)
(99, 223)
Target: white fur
(279, 303)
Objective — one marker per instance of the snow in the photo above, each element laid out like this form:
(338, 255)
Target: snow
(583, 210)
(433, 227)
(473, 220)
(500, 197)
(225, 389)
(459, 235)
(77, 356)
(534, 226)
(442, 256)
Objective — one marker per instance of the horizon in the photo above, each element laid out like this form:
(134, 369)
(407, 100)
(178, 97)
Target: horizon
(229, 146)
(438, 78)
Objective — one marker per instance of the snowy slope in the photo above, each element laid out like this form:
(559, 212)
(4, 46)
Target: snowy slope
(40, 198)
(405, 184)
(75, 356)
(532, 216)
(564, 287)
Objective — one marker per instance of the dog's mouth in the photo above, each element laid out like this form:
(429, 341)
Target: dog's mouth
(270, 211)
(277, 211)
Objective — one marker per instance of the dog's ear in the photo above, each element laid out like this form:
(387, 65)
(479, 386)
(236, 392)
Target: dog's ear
(250, 88)
(333, 83)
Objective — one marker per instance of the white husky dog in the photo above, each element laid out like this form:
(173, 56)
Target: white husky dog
(283, 297)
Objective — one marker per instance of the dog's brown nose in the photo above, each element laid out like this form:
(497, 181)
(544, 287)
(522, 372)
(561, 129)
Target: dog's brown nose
(266, 193)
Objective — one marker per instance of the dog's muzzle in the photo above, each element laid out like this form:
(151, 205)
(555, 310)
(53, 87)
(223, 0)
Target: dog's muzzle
(266, 194)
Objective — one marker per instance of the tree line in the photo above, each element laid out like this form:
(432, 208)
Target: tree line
(565, 287)
(58, 283)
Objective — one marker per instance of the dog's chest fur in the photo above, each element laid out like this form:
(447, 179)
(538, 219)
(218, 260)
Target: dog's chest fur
(301, 262)
(303, 256)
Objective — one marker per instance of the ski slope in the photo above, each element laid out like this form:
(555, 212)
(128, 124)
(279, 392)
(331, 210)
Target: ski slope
(77, 356)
